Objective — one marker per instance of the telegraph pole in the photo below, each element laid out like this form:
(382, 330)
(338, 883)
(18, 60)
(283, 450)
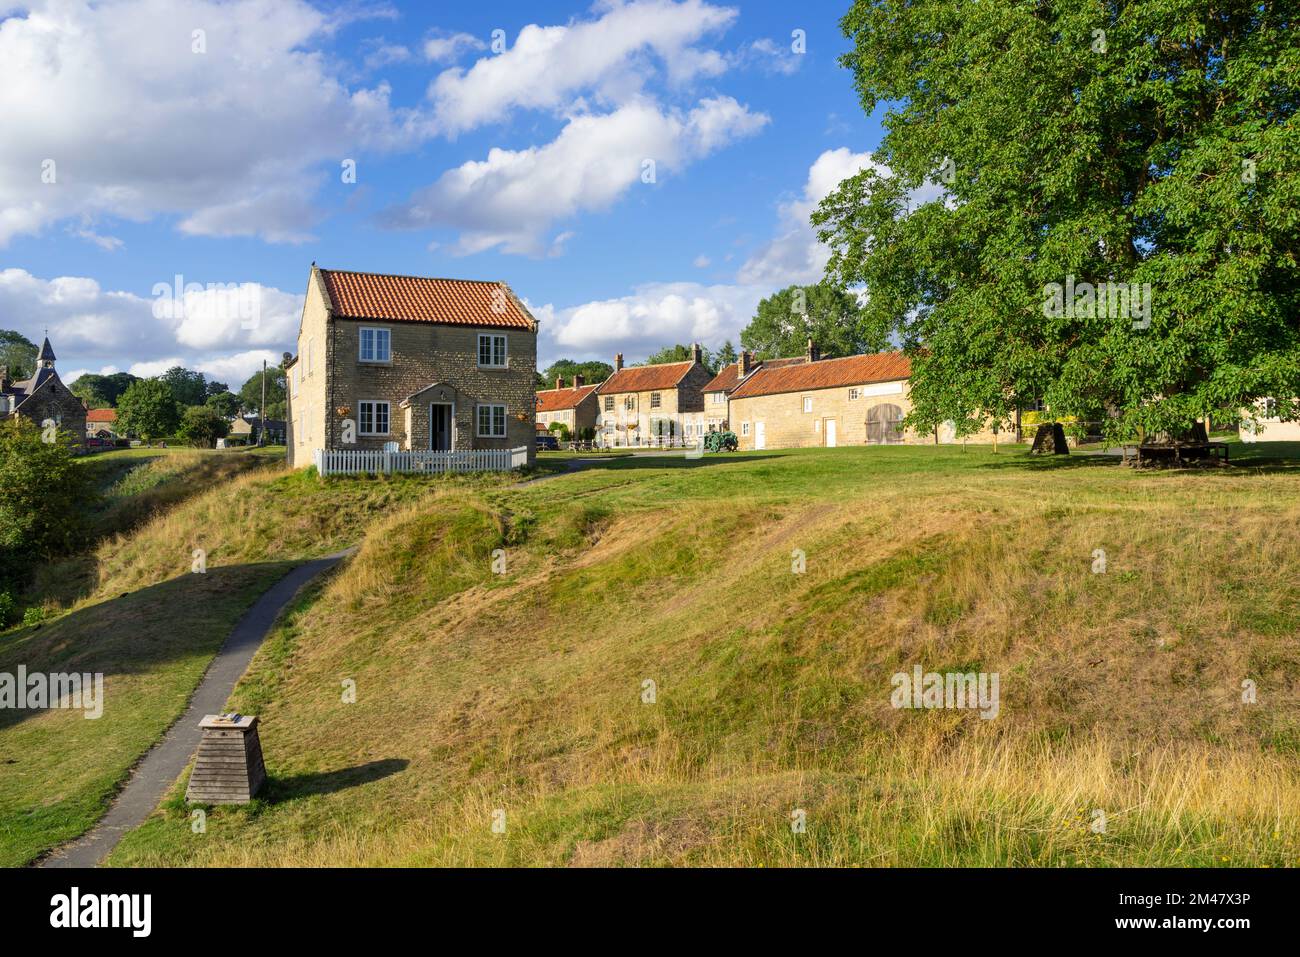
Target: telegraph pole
(261, 412)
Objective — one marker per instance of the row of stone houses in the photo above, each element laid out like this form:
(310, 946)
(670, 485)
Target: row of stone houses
(794, 402)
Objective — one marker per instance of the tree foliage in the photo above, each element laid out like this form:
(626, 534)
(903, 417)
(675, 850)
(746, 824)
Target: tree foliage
(592, 372)
(250, 393)
(1137, 143)
(44, 497)
(786, 320)
(226, 404)
(148, 409)
(202, 425)
(681, 353)
(188, 387)
(101, 391)
(18, 353)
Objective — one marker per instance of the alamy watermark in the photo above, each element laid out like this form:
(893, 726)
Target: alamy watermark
(220, 301)
(970, 690)
(1086, 300)
(58, 690)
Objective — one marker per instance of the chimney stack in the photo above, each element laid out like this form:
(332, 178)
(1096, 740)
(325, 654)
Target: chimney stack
(559, 382)
(618, 361)
(696, 353)
(578, 381)
(813, 352)
(743, 364)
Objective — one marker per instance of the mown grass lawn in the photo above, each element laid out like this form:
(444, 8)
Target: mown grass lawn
(649, 680)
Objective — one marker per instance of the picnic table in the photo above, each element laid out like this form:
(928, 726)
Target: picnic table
(1176, 453)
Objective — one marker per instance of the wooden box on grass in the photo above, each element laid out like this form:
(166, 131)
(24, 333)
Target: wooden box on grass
(228, 768)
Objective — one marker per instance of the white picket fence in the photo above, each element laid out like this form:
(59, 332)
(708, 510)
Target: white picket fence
(360, 461)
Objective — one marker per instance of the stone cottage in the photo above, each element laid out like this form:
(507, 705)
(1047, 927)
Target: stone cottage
(410, 362)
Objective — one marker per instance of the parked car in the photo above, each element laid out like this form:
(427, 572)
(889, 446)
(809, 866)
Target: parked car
(547, 442)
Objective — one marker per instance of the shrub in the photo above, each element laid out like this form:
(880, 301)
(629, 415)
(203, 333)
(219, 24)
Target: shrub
(6, 608)
(33, 615)
(202, 425)
(44, 496)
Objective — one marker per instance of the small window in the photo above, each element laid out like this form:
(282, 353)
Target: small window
(609, 403)
(310, 344)
(853, 394)
(492, 421)
(630, 402)
(654, 400)
(807, 403)
(492, 350)
(744, 428)
(376, 345)
(373, 417)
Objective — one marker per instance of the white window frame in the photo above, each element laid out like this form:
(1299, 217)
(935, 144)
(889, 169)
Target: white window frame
(609, 403)
(295, 377)
(493, 356)
(374, 358)
(656, 400)
(807, 405)
(310, 349)
(492, 421)
(375, 404)
(853, 395)
(744, 428)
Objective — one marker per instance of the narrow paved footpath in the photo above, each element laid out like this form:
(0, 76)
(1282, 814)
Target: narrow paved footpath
(167, 760)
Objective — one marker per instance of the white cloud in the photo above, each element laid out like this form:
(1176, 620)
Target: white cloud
(771, 57)
(701, 262)
(512, 198)
(795, 254)
(138, 124)
(91, 327)
(653, 316)
(547, 66)
(444, 49)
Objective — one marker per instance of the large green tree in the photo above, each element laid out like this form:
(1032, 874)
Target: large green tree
(786, 320)
(1150, 144)
(188, 387)
(18, 353)
(250, 393)
(148, 409)
(592, 372)
(101, 391)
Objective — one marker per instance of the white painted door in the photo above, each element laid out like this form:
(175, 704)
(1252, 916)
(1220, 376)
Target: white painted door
(760, 436)
(830, 433)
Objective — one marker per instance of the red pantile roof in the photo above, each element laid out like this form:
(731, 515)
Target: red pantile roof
(726, 380)
(645, 378)
(458, 302)
(826, 374)
(101, 415)
(553, 400)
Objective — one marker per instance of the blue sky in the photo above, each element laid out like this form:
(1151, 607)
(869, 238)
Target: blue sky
(516, 155)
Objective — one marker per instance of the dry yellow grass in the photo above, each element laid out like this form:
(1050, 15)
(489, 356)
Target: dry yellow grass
(1121, 692)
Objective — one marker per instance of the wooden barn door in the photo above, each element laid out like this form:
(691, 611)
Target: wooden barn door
(884, 424)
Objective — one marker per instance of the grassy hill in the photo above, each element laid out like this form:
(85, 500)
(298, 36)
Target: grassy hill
(520, 696)
(131, 609)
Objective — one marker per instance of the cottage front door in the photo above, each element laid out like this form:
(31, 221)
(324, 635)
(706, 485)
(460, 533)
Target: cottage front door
(440, 426)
